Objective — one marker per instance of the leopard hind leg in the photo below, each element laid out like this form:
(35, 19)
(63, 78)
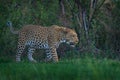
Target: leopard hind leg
(19, 52)
(30, 53)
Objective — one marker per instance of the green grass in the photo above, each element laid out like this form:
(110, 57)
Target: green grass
(77, 69)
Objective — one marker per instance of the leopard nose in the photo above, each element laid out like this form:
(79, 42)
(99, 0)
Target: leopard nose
(76, 41)
(71, 43)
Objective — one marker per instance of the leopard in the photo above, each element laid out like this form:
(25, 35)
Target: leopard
(43, 37)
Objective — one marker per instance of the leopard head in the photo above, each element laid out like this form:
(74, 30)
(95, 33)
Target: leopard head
(70, 36)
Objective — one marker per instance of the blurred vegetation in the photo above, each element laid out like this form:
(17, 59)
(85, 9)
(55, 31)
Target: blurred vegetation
(103, 30)
(76, 69)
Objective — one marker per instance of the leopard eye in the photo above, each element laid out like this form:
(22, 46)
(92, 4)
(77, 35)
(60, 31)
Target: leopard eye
(73, 35)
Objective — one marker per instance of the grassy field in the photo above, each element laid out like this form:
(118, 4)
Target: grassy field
(77, 69)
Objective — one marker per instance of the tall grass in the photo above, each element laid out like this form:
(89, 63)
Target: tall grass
(76, 69)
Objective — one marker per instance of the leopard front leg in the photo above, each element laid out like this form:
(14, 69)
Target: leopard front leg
(51, 55)
(54, 54)
(48, 55)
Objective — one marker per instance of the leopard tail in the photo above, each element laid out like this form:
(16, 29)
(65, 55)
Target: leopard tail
(9, 24)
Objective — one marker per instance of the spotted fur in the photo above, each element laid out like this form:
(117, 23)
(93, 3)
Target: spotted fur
(48, 38)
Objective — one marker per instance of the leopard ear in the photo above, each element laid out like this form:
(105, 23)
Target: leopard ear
(65, 30)
(62, 29)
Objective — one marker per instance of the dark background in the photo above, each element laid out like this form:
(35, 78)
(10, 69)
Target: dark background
(95, 21)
